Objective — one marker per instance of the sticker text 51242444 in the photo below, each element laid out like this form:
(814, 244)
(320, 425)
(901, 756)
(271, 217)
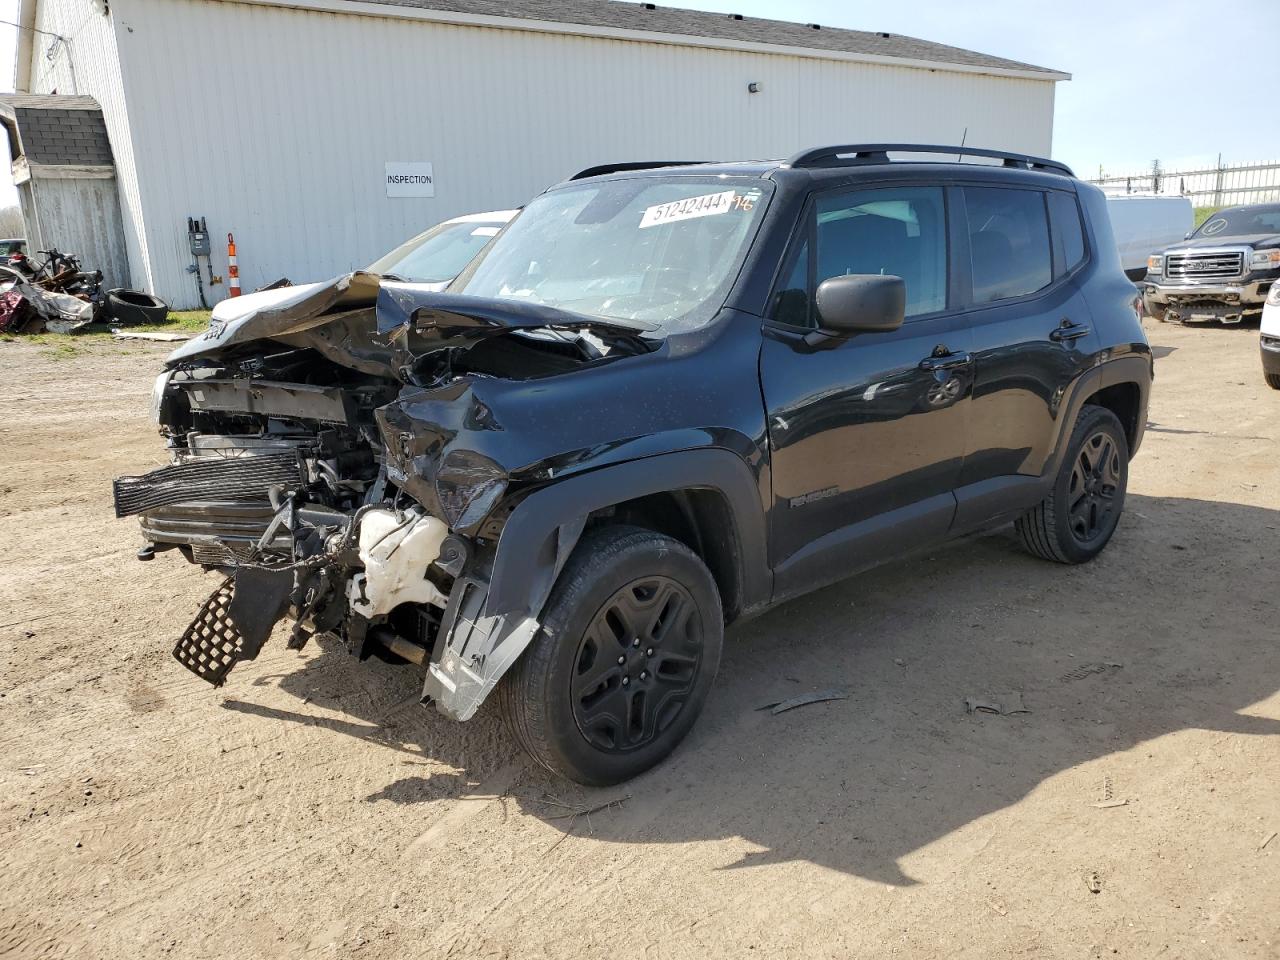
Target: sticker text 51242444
(706, 205)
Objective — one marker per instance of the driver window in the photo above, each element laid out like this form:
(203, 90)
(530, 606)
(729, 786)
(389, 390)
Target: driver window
(898, 231)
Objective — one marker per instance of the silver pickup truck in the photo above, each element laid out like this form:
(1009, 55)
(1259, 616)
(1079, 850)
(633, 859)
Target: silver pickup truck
(1223, 270)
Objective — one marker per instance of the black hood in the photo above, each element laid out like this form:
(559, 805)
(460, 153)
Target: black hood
(1259, 241)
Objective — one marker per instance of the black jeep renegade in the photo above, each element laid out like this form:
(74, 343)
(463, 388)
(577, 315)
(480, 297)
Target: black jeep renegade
(665, 398)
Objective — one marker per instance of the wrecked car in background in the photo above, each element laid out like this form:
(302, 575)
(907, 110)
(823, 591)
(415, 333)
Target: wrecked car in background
(661, 400)
(1224, 269)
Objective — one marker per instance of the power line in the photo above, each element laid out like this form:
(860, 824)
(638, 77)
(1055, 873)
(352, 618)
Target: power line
(10, 23)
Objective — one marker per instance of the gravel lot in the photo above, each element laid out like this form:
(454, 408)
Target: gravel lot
(311, 807)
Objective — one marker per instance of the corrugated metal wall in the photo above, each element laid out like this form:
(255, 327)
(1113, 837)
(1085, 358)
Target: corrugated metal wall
(87, 64)
(275, 123)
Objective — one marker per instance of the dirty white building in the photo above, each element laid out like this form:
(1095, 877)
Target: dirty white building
(324, 132)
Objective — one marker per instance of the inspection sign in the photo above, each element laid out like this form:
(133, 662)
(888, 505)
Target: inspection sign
(410, 179)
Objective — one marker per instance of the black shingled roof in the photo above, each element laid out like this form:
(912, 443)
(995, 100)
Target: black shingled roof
(615, 15)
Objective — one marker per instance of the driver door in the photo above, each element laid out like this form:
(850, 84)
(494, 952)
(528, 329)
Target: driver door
(866, 432)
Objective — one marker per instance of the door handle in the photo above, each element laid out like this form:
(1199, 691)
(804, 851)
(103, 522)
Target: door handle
(1068, 331)
(946, 361)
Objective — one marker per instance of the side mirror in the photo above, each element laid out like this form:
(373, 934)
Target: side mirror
(861, 303)
(1186, 236)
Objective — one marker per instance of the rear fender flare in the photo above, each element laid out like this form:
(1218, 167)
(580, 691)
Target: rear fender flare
(1133, 369)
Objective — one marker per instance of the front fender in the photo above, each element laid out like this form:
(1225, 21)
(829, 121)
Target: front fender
(489, 623)
(528, 544)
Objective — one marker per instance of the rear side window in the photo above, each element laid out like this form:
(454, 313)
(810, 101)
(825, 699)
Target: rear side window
(1008, 242)
(1068, 234)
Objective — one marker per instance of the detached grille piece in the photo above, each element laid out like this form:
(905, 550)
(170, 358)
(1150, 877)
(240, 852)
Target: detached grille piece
(241, 478)
(1205, 266)
(212, 645)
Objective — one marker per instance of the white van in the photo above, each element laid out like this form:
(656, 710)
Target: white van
(1145, 224)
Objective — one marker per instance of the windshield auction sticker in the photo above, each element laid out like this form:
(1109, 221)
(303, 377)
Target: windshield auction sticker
(707, 205)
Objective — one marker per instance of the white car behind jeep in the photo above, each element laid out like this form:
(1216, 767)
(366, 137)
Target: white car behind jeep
(1270, 338)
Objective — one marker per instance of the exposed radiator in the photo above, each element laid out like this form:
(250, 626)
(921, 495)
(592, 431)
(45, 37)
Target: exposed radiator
(212, 478)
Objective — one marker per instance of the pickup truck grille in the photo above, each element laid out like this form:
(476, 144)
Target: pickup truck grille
(1204, 266)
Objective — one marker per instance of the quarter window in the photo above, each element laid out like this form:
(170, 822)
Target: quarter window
(791, 302)
(1008, 242)
(1067, 232)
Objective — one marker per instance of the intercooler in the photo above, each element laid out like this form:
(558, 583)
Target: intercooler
(207, 478)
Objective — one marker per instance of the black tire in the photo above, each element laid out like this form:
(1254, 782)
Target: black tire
(565, 700)
(131, 307)
(1076, 520)
(1273, 380)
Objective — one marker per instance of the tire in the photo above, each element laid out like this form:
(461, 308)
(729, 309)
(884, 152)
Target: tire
(135, 307)
(567, 700)
(1092, 479)
(1273, 380)
(1155, 310)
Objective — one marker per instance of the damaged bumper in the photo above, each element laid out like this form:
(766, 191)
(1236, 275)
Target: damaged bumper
(358, 576)
(346, 474)
(1225, 301)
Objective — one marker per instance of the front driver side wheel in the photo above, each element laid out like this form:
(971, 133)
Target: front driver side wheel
(629, 645)
(1076, 520)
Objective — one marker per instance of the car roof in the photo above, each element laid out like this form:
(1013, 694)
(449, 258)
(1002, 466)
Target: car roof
(846, 162)
(844, 172)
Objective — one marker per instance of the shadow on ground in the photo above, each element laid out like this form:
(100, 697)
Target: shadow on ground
(1173, 628)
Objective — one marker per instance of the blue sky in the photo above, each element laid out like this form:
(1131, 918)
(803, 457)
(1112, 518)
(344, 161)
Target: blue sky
(1143, 84)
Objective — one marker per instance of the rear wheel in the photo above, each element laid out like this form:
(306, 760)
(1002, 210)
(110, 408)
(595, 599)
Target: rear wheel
(1076, 520)
(1273, 380)
(629, 646)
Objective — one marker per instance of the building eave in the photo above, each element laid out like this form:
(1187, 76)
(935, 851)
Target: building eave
(385, 11)
(26, 43)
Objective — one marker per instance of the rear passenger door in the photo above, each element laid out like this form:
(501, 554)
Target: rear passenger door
(1031, 337)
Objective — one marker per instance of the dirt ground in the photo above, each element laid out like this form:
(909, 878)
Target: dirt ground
(311, 807)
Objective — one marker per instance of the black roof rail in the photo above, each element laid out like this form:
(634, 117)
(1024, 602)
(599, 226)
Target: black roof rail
(605, 168)
(879, 153)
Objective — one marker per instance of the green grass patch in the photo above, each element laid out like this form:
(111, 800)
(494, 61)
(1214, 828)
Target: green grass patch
(1204, 213)
(62, 351)
(178, 321)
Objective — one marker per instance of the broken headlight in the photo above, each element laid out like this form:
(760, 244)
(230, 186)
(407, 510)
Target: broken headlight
(467, 486)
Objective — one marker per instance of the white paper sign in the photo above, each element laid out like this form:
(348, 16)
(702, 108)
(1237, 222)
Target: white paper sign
(707, 205)
(410, 179)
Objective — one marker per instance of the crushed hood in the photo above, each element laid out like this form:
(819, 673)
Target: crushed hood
(282, 313)
(363, 322)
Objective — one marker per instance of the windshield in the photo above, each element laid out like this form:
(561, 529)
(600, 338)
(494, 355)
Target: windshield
(439, 254)
(1242, 222)
(662, 250)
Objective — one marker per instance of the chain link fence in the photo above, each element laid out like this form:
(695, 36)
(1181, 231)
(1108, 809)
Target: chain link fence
(1224, 184)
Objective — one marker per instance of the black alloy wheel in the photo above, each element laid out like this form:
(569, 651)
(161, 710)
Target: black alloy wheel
(1075, 521)
(1095, 480)
(624, 660)
(636, 664)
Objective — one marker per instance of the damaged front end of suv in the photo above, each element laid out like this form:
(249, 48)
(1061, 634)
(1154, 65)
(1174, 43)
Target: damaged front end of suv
(347, 453)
